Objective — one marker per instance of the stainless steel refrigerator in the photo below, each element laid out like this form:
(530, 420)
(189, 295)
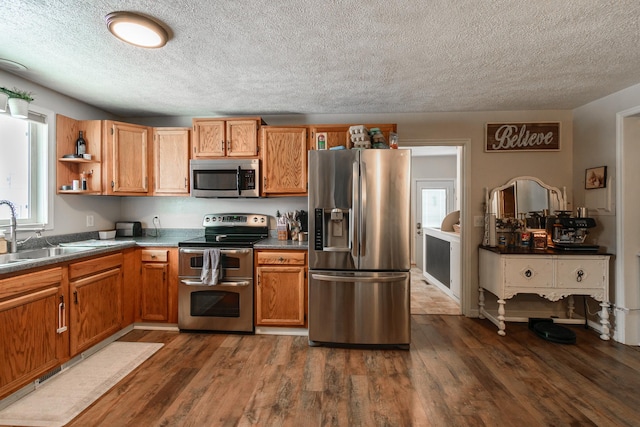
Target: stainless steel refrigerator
(359, 247)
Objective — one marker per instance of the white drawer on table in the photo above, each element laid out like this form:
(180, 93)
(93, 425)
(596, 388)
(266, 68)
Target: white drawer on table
(580, 273)
(528, 272)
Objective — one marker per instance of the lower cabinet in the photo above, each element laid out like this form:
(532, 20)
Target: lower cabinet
(281, 290)
(32, 327)
(95, 309)
(158, 290)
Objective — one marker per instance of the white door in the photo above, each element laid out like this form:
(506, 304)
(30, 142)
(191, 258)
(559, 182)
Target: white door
(435, 199)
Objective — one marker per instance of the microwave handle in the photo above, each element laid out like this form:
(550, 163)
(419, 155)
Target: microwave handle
(238, 180)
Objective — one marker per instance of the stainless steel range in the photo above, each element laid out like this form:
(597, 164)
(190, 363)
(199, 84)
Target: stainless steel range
(228, 305)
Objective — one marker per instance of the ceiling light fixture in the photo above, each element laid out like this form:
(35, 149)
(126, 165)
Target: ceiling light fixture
(136, 29)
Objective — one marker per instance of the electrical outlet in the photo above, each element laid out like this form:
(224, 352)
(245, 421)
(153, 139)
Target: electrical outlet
(156, 220)
(89, 220)
(478, 221)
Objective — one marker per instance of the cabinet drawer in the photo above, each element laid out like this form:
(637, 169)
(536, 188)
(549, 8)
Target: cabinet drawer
(529, 272)
(581, 273)
(84, 268)
(282, 258)
(30, 282)
(155, 255)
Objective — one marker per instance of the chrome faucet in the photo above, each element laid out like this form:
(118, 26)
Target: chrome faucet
(13, 225)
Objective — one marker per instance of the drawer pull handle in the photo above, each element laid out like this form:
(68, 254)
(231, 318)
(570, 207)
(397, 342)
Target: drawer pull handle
(280, 259)
(580, 274)
(528, 273)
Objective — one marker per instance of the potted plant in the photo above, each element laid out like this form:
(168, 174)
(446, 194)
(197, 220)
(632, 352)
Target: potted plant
(19, 102)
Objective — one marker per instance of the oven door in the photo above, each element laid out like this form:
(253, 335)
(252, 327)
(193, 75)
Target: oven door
(226, 307)
(235, 263)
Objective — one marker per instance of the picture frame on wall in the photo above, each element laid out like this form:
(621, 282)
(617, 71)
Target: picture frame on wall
(595, 178)
(321, 141)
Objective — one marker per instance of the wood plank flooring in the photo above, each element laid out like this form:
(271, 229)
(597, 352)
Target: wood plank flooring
(458, 372)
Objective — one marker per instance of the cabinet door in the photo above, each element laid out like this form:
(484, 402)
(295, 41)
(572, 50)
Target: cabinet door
(284, 161)
(242, 138)
(208, 138)
(586, 274)
(95, 308)
(154, 292)
(526, 273)
(280, 296)
(30, 345)
(170, 161)
(336, 135)
(128, 155)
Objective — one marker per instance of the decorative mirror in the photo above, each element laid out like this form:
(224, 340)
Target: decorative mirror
(523, 195)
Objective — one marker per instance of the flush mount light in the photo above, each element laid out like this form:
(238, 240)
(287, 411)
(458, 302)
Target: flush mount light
(136, 29)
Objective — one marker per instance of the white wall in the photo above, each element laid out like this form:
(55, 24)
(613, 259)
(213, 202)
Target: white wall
(69, 211)
(596, 134)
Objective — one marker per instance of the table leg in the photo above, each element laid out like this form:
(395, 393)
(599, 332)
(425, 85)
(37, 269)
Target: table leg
(481, 303)
(570, 307)
(501, 324)
(604, 320)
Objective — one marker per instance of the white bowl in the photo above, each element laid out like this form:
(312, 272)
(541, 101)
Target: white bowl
(106, 235)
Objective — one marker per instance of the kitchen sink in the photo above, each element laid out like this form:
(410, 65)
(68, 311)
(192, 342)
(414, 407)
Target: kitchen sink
(31, 254)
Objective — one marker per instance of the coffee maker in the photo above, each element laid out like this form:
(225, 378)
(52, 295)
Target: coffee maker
(568, 233)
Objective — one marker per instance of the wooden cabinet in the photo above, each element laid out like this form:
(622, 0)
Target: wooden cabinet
(32, 326)
(225, 137)
(170, 161)
(95, 308)
(281, 291)
(158, 292)
(546, 274)
(338, 134)
(284, 161)
(69, 169)
(126, 157)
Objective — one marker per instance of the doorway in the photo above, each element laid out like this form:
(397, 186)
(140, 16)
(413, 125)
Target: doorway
(446, 160)
(435, 198)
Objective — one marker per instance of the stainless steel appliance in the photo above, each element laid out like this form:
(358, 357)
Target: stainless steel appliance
(225, 178)
(227, 306)
(359, 250)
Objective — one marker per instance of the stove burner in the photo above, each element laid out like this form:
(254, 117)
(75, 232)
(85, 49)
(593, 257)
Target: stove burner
(231, 230)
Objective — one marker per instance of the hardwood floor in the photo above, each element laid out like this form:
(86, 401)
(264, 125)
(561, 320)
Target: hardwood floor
(427, 298)
(458, 372)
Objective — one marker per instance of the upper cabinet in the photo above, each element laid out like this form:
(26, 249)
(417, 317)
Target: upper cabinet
(337, 135)
(170, 161)
(126, 154)
(225, 137)
(71, 168)
(284, 161)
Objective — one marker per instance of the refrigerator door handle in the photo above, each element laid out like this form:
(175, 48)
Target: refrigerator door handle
(363, 209)
(354, 218)
(351, 279)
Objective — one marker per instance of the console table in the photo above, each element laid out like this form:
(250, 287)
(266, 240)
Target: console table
(550, 274)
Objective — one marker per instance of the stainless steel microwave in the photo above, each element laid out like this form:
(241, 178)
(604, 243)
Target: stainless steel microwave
(225, 178)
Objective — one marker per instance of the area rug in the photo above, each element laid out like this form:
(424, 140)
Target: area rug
(63, 397)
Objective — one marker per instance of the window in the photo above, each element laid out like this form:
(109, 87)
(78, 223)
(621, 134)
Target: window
(24, 170)
(436, 198)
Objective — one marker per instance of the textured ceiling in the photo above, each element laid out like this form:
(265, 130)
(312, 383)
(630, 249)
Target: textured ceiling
(312, 57)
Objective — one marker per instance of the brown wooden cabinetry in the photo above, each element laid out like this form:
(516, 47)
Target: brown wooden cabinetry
(339, 134)
(126, 154)
(284, 161)
(281, 297)
(158, 292)
(225, 137)
(69, 169)
(171, 161)
(34, 338)
(95, 306)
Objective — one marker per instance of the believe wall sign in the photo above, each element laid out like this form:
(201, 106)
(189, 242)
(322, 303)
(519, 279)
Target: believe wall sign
(522, 137)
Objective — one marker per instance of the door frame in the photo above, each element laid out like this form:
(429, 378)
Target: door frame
(467, 302)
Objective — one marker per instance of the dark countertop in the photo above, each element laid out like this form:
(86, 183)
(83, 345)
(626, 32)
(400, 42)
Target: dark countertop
(170, 240)
(520, 250)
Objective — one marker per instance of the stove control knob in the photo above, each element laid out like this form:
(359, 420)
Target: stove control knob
(262, 220)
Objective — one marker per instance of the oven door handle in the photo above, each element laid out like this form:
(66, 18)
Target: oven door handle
(239, 284)
(222, 251)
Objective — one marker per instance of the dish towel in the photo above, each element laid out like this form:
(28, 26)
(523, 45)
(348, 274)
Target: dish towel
(210, 267)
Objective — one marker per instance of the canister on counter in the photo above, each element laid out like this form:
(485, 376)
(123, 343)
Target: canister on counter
(525, 238)
(540, 239)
